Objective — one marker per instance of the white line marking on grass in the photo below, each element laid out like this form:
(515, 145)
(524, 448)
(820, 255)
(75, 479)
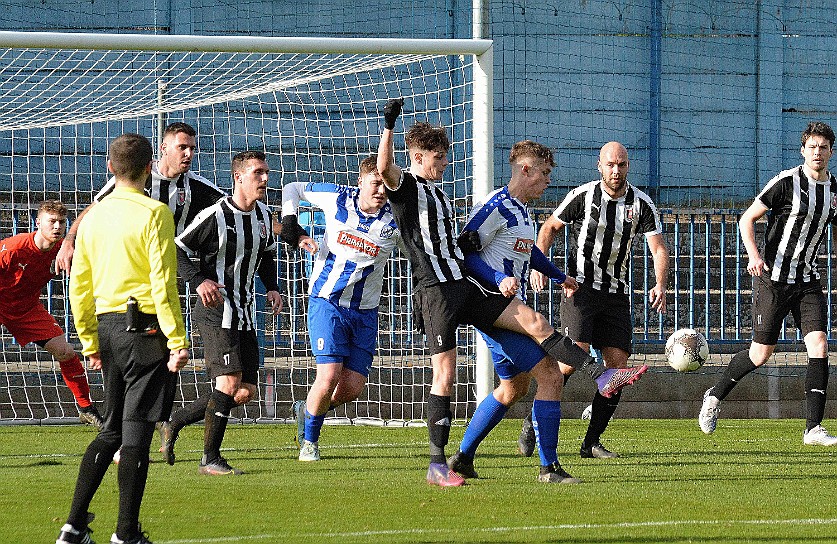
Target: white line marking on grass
(565, 526)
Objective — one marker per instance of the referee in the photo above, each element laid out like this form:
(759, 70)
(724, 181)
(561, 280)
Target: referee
(232, 239)
(123, 293)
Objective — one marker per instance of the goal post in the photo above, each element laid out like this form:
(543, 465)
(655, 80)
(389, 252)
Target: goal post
(313, 105)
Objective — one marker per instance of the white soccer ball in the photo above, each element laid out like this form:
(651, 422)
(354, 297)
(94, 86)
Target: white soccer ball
(686, 350)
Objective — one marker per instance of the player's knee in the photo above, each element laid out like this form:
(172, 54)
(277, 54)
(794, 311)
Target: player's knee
(61, 350)
(538, 326)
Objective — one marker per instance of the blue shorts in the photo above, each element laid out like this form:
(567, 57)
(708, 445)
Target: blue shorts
(342, 335)
(512, 352)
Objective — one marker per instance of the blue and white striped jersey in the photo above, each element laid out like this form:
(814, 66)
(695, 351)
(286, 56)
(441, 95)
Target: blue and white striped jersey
(507, 234)
(349, 267)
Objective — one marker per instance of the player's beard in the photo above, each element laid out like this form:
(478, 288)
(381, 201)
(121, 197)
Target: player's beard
(617, 190)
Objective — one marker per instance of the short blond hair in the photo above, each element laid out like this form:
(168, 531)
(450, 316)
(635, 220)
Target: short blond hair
(529, 148)
(53, 206)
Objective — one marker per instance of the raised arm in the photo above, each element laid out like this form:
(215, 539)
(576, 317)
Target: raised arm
(386, 153)
(292, 233)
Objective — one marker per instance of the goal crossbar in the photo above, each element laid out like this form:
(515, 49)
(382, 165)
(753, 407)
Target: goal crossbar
(236, 44)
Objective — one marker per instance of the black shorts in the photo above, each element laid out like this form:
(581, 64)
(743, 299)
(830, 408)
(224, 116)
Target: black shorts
(442, 307)
(227, 351)
(772, 301)
(137, 382)
(598, 318)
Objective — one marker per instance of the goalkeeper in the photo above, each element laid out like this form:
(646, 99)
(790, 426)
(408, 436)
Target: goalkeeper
(25, 268)
(344, 289)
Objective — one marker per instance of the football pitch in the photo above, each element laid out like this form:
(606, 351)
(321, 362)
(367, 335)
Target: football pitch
(752, 481)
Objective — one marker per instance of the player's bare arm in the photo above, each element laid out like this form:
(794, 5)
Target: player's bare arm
(275, 301)
(546, 237)
(386, 153)
(210, 293)
(659, 253)
(308, 244)
(570, 286)
(747, 228)
(64, 258)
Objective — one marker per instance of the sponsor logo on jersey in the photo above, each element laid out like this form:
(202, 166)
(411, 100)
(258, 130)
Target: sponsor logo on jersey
(358, 243)
(523, 245)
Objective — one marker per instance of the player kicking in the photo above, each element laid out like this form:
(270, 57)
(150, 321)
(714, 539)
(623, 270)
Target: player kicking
(25, 268)
(443, 296)
(232, 240)
(344, 289)
(507, 237)
(802, 202)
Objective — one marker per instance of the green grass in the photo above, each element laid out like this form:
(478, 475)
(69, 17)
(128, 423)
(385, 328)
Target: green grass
(753, 481)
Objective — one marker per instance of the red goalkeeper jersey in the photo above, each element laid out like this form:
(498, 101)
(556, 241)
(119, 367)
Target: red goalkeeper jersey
(24, 271)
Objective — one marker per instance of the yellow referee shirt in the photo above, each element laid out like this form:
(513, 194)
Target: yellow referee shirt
(125, 248)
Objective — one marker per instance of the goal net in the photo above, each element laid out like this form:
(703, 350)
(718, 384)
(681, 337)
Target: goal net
(314, 106)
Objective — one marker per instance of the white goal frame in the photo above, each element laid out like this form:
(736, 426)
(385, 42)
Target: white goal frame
(482, 106)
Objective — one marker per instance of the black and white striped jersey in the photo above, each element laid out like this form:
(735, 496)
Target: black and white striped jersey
(604, 229)
(424, 215)
(231, 246)
(186, 196)
(800, 211)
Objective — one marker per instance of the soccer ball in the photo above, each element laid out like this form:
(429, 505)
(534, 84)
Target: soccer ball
(686, 350)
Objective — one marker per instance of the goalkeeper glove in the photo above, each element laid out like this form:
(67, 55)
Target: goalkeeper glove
(391, 112)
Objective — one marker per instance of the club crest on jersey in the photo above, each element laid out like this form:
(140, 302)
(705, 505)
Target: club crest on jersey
(523, 245)
(358, 243)
(387, 231)
(262, 229)
(834, 202)
(629, 215)
(181, 196)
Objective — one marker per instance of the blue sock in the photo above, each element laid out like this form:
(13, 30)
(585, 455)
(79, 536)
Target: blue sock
(313, 425)
(546, 418)
(488, 414)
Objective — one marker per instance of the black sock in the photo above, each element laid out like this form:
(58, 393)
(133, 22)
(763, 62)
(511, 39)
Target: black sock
(563, 349)
(816, 383)
(438, 426)
(132, 475)
(191, 413)
(738, 367)
(603, 409)
(217, 414)
(94, 465)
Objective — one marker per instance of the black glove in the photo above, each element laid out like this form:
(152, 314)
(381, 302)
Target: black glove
(469, 241)
(291, 231)
(391, 112)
